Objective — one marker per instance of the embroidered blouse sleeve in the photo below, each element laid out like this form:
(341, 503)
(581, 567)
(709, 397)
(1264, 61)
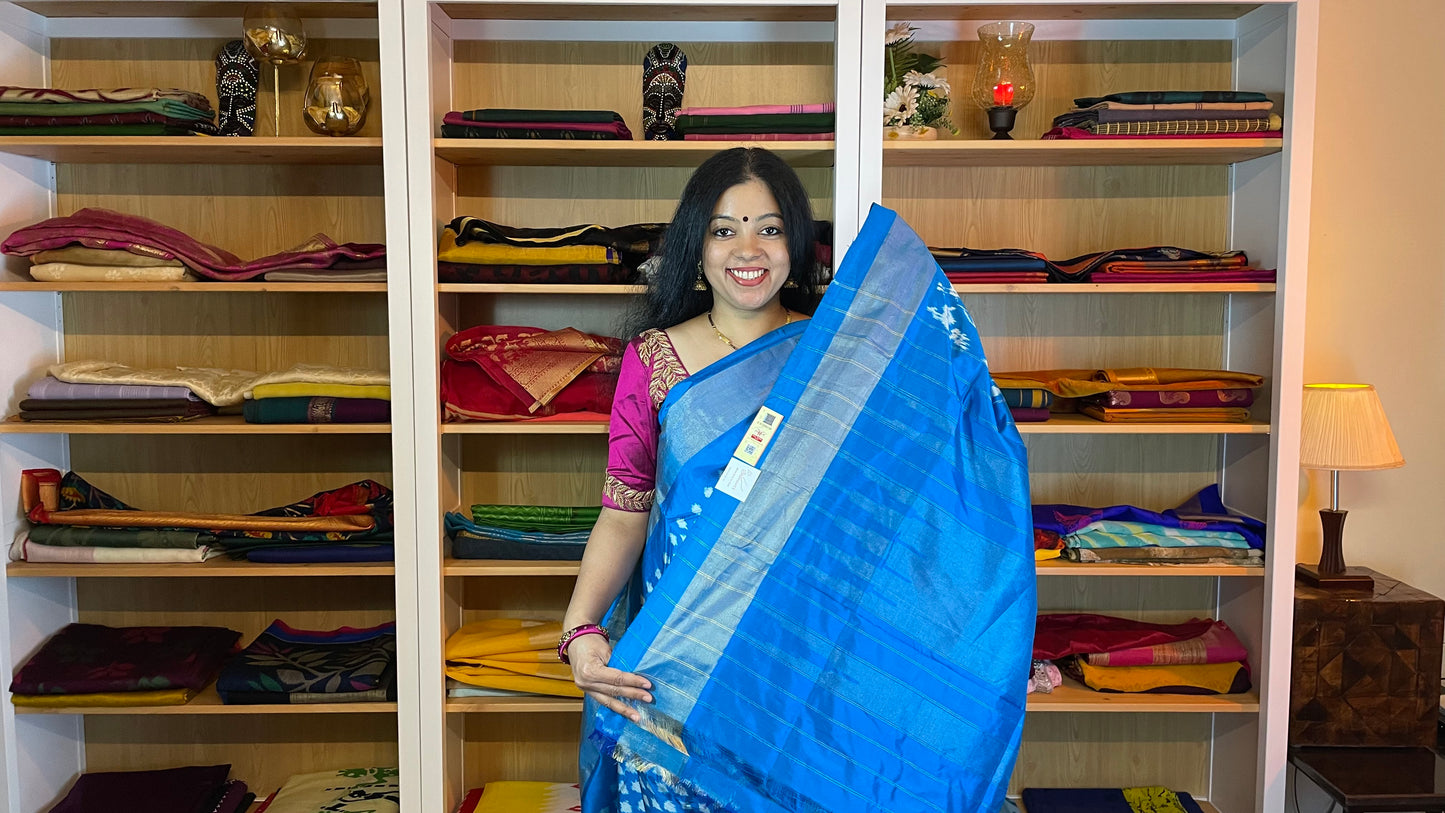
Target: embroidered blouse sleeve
(632, 445)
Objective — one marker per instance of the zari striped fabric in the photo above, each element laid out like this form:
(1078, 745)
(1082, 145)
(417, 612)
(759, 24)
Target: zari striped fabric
(850, 634)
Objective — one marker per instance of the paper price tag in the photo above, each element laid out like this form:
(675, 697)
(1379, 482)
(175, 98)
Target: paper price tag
(737, 479)
(760, 434)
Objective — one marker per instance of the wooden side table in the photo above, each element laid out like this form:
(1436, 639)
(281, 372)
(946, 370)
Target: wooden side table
(1366, 665)
(1362, 780)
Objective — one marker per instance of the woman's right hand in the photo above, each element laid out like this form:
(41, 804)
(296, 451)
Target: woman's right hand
(589, 655)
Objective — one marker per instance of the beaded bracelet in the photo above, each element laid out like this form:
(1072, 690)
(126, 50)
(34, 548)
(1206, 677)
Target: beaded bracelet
(577, 632)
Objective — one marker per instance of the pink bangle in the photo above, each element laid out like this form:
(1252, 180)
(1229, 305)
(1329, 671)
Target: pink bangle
(577, 632)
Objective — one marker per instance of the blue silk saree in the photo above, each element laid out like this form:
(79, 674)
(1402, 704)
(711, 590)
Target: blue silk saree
(839, 571)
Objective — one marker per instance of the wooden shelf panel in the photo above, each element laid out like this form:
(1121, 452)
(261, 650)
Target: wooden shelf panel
(215, 568)
(194, 149)
(1121, 288)
(1052, 567)
(526, 428)
(1068, 424)
(523, 288)
(327, 9)
(530, 153)
(209, 702)
(212, 425)
(1059, 567)
(1081, 153)
(675, 12)
(204, 287)
(1070, 697)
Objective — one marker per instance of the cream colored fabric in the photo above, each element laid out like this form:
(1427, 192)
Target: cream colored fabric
(72, 272)
(100, 256)
(210, 384)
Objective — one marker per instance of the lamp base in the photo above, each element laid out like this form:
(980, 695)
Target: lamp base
(1000, 121)
(1353, 578)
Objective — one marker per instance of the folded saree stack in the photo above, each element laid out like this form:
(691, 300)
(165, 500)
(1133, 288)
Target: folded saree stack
(94, 665)
(1155, 264)
(1028, 404)
(966, 266)
(104, 111)
(1170, 114)
(763, 122)
(51, 399)
(588, 125)
(473, 250)
(292, 666)
(536, 532)
(1108, 654)
(72, 521)
(1144, 394)
(1201, 530)
(508, 656)
(361, 789)
(505, 373)
(318, 402)
(1151, 799)
(522, 797)
(320, 257)
(189, 789)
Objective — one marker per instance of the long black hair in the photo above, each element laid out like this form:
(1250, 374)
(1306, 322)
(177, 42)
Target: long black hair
(671, 297)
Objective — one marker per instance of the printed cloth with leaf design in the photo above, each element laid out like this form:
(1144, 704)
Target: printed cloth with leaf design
(291, 666)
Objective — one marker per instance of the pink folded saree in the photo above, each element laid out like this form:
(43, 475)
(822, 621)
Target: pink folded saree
(105, 229)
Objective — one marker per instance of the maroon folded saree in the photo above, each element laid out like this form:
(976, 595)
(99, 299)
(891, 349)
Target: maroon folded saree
(1061, 634)
(495, 372)
(172, 790)
(599, 274)
(102, 228)
(1164, 399)
(91, 659)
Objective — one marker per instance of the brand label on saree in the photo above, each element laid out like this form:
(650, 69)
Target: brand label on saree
(737, 479)
(760, 434)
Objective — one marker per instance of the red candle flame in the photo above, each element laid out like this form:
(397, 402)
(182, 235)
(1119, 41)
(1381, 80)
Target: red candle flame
(1003, 94)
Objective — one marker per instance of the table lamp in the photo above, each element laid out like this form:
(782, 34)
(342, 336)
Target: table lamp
(1343, 428)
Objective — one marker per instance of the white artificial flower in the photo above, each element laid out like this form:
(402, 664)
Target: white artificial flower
(899, 106)
(928, 81)
(899, 31)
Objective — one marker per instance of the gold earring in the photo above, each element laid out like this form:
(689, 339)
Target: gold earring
(701, 283)
(791, 283)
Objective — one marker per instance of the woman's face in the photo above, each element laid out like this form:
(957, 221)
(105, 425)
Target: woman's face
(745, 253)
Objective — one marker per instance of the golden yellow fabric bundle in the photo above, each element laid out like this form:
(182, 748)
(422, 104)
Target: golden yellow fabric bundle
(510, 653)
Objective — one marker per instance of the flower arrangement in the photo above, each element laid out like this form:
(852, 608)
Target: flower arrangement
(914, 95)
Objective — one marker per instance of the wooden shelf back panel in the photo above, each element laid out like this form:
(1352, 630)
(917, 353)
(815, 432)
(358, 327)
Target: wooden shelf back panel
(543, 597)
(611, 196)
(324, 604)
(608, 75)
(1027, 151)
(1114, 750)
(537, 747)
(181, 150)
(190, 64)
(263, 750)
(211, 473)
(1160, 601)
(1087, 209)
(249, 211)
(214, 425)
(241, 333)
(235, 8)
(1151, 471)
(520, 153)
(215, 568)
(556, 470)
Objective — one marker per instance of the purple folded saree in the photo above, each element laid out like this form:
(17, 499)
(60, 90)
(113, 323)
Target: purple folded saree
(1164, 399)
(92, 659)
(1029, 414)
(172, 790)
(51, 388)
(1239, 275)
(102, 228)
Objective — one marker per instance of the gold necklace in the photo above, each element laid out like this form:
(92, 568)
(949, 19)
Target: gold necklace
(722, 337)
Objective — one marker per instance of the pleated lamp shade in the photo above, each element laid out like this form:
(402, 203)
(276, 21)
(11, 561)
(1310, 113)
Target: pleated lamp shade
(1344, 428)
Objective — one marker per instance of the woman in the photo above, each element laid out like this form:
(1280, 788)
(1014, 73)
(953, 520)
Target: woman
(759, 497)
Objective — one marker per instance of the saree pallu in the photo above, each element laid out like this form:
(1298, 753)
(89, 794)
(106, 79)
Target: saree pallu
(851, 634)
(494, 372)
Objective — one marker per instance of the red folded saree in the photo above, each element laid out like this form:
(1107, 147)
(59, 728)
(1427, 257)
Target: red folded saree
(495, 372)
(1061, 634)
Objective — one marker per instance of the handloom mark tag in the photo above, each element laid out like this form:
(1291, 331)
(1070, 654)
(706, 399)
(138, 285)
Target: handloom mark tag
(760, 434)
(737, 479)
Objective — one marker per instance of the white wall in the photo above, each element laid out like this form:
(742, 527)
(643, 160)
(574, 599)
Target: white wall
(1376, 309)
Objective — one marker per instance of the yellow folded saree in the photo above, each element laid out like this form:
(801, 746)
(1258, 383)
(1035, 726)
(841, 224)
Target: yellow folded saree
(496, 254)
(1215, 678)
(306, 389)
(154, 697)
(510, 653)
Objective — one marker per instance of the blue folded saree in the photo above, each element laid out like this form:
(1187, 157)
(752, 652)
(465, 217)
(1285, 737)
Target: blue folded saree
(839, 570)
